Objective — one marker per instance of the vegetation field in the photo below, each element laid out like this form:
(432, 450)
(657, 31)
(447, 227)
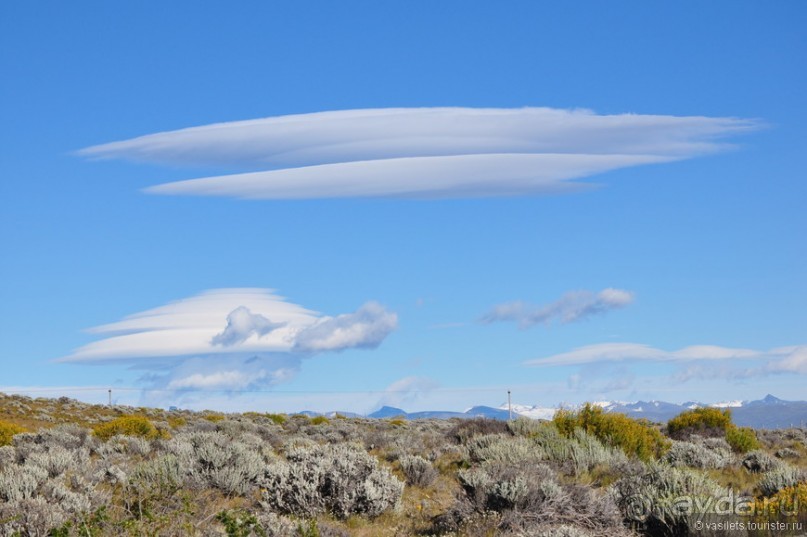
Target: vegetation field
(69, 468)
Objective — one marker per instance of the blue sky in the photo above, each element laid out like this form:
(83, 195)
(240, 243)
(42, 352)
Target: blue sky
(681, 279)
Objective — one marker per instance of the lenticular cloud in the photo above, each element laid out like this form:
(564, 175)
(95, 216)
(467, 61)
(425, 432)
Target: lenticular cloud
(226, 321)
(420, 152)
(231, 339)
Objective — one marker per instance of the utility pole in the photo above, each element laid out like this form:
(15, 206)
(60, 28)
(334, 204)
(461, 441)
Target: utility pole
(110, 397)
(509, 406)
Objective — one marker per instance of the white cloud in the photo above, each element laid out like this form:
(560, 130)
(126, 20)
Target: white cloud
(232, 379)
(786, 358)
(243, 324)
(232, 372)
(188, 327)
(366, 328)
(794, 360)
(465, 176)
(571, 307)
(230, 339)
(406, 391)
(376, 134)
(421, 152)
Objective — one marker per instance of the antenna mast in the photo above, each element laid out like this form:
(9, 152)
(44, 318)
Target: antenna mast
(509, 406)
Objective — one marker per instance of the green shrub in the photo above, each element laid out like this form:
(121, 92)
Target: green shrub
(703, 421)
(320, 420)
(713, 422)
(742, 439)
(278, 419)
(240, 524)
(7, 432)
(127, 425)
(634, 437)
(523, 426)
(175, 422)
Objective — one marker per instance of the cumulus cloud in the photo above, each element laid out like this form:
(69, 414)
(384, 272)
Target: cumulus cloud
(365, 328)
(785, 358)
(571, 307)
(230, 339)
(421, 152)
(243, 324)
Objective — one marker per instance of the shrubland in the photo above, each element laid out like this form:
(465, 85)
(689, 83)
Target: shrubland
(634, 437)
(715, 423)
(72, 469)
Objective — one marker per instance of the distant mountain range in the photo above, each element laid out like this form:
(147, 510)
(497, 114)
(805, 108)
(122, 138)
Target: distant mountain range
(474, 412)
(392, 412)
(767, 413)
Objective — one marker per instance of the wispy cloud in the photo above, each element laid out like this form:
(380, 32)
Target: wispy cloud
(794, 361)
(421, 152)
(571, 307)
(230, 339)
(465, 176)
(406, 390)
(778, 359)
(231, 372)
(782, 360)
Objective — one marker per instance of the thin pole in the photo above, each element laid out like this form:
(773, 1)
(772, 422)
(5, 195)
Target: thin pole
(509, 406)
(110, 397)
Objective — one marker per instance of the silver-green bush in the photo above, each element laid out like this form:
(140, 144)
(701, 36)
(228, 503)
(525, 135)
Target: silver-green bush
(696, 456)
(660, 500)
(339, 479)
(418, 471)
(759, 461)
(781, 476)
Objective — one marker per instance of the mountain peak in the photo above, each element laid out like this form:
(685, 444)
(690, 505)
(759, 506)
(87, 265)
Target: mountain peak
(388, 412)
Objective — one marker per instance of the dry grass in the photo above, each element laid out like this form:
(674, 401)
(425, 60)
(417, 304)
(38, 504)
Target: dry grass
(205, 443)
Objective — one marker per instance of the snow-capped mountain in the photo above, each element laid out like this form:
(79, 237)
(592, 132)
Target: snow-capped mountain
(728, 404)
(744, 413)
(755, 414)
(536, 412)
(767, 413)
